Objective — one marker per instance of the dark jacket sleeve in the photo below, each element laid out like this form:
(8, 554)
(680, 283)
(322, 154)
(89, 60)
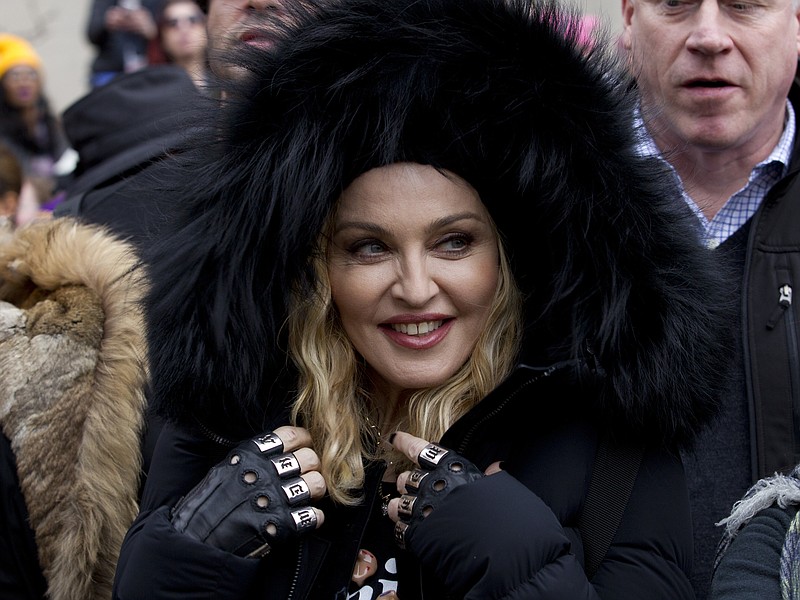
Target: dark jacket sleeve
(750, 568)
(508, 544)
(156, 561)
(651, 554)
(20, 575)
(515, 546)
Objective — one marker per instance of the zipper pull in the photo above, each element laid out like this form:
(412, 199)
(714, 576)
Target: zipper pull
(784, 302)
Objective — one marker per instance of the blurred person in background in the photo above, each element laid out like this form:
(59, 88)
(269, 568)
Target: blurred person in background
(759, 556)
(123, 131)
(132, 200)
(121, 31)
(27, 125)
(10, 188)
(182, 39)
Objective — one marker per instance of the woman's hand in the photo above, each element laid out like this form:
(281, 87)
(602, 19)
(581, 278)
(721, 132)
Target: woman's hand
(440, 472)
(258, 497)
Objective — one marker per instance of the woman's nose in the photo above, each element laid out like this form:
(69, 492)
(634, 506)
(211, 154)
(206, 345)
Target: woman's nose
(415, 284)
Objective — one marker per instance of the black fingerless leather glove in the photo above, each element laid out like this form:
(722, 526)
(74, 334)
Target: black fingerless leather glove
(440, 472)
(248, 503)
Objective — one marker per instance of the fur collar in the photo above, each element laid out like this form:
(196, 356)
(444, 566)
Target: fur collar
(72, 395)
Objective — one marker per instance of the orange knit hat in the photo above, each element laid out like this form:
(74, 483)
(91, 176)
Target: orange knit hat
(15, 51)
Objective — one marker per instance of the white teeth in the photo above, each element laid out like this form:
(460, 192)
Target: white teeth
(417, 328)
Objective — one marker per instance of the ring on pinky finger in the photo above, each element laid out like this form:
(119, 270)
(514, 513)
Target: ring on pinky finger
(400, 534)
(304, 519)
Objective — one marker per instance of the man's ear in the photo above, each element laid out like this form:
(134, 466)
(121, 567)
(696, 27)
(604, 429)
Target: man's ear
(627, 16)
(796, 16)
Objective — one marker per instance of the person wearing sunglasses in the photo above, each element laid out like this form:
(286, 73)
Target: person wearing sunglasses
(182, 39)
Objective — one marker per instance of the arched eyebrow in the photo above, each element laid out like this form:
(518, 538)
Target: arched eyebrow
(435, 225)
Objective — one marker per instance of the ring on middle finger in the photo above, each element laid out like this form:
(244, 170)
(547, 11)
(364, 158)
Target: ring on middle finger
(415, 479)
(297, 491)
(286, 465)
(406, 506)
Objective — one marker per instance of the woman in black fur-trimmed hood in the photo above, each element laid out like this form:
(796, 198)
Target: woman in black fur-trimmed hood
(620, 333)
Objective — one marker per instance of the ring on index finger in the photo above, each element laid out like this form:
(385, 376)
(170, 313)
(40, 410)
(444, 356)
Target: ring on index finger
(430, 456)
(269, 443)
(286, 465)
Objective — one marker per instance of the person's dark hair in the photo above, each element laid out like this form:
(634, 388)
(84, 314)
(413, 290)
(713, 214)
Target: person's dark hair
(10, 171)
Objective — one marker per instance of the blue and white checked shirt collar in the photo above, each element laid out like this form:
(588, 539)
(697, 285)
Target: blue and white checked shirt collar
(744, 203)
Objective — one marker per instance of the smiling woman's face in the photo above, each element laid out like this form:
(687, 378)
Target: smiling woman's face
(413, 267)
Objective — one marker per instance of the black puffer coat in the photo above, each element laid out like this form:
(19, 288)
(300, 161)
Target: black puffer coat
(622, 304)
(523, 538)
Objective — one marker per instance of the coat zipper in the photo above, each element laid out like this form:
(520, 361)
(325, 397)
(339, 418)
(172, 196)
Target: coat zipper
(217, 439)
(784, 310)
(462, 447)
(784, 303)
(296, 575)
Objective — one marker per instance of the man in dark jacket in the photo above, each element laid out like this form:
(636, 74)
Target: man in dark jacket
(125, 190)
(123, 131)
(714, 80)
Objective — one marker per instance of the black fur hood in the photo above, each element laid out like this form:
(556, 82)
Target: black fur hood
(500, 92)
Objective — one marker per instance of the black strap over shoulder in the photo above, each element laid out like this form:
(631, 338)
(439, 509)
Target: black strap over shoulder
(613, 477)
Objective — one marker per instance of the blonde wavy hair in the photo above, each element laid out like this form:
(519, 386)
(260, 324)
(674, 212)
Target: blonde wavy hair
(334, 404)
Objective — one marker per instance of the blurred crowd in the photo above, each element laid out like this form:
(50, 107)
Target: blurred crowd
(129, 37)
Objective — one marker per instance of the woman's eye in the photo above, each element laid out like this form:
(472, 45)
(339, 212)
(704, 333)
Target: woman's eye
(367, 248)
(456, 243)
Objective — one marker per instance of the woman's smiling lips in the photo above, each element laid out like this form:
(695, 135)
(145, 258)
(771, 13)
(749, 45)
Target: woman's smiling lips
(418, 333)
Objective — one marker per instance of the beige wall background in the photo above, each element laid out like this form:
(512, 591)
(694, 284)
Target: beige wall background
(57, 29)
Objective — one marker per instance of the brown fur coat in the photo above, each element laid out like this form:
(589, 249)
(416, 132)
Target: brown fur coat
(72, 358)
